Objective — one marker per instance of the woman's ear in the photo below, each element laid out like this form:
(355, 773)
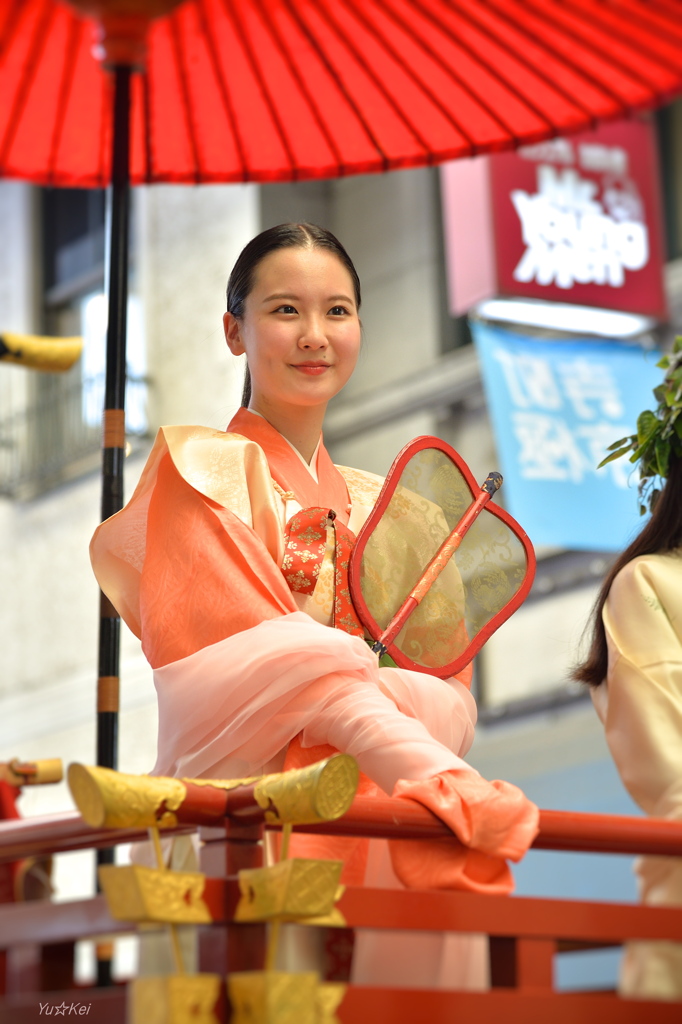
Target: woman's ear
(233, 337)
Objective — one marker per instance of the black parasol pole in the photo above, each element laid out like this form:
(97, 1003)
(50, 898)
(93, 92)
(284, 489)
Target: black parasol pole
(113, 438)
(113, 433)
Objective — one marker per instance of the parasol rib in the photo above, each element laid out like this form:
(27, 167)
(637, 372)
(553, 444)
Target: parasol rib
(305, 91)
(488, 65)
(75, 30)
(223, 90)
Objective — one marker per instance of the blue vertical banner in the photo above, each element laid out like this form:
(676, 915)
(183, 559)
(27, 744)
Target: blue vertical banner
(555, 407)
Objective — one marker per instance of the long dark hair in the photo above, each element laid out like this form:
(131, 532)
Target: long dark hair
(283, 236)
(662, 533)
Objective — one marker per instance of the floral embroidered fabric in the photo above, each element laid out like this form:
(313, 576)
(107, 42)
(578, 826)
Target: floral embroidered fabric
(306, 538)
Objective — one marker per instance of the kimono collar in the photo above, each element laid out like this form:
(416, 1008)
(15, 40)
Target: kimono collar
(287, 469)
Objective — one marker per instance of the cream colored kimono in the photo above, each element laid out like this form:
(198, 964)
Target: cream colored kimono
(640, 704)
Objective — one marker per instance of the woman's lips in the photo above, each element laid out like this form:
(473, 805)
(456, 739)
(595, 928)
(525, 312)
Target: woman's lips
(312, 369)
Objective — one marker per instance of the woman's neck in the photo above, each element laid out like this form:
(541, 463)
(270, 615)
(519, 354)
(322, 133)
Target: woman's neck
(300, 426)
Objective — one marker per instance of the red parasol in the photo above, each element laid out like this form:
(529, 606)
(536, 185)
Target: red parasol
(275, 90)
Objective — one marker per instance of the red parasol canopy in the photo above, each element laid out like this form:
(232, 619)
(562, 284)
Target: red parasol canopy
(275, 90)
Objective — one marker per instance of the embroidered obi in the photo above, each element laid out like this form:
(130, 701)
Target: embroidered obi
(306, 537)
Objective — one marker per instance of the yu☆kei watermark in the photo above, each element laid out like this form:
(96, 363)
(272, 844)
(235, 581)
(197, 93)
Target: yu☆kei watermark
(65, 1009)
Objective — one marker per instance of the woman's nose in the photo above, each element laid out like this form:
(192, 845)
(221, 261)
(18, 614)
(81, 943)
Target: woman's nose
(313, 335)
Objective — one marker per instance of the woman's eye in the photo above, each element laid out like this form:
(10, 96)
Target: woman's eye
(338, 311)
(285, 309)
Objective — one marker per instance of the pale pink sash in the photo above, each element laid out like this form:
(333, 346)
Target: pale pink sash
(229, 709)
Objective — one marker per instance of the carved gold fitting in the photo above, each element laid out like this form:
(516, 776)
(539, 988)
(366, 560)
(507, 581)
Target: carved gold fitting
(273, 997)
(137, 893)
(279, 997)
(329, 997)
(320, 792)
(290, 890)
(106, 798)
(174, 999)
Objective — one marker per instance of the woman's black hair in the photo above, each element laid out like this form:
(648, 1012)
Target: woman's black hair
(662, 533)
(283, 236)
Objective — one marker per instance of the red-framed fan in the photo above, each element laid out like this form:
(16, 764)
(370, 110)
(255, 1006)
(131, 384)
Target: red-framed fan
(438, 566)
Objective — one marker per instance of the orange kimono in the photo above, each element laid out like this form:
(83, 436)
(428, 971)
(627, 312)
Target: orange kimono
(249, 676)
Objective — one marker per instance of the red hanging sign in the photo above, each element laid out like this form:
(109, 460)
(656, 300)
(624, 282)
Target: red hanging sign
(578, 219)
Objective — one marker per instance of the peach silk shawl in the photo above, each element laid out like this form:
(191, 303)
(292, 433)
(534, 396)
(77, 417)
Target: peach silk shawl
(250, 677)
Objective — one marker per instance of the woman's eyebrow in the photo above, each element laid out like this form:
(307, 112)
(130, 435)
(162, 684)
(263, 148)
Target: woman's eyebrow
(281, 295)
(278, 296)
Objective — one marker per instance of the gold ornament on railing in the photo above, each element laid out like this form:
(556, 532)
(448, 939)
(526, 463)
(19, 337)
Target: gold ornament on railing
(174, 999)
(279, 997)
(148, 894)
(291, 890)
(296, 890)
(110, 799)
(137, 893)
(105, 798)
(320, 792)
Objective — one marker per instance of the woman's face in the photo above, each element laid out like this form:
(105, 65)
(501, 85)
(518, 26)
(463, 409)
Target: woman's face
(300, 330)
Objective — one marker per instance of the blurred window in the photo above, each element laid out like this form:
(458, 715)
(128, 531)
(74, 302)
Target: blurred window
(54, 433)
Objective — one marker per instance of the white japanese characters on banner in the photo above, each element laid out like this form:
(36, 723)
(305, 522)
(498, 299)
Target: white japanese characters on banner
(556, 406)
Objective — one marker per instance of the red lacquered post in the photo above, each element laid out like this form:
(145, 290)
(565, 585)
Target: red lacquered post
(224, 948)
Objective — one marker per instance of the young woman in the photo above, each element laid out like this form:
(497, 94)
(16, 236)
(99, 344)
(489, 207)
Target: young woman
(230, 563)
(634, 667)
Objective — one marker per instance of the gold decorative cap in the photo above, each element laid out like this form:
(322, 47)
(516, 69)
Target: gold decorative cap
(114, 800)
(320, 792)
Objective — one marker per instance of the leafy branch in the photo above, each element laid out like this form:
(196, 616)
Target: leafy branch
(659, 433)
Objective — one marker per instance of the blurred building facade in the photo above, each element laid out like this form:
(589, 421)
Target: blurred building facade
(418, 374)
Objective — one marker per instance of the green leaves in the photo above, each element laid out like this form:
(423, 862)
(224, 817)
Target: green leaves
(647, 424)
(658, 433)
(614, 455)
(662, 454)
(619, 444)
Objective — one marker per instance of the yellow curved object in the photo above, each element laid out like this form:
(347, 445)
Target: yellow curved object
(115, 800)
(51, 355)
(33, 773)
(320, 792)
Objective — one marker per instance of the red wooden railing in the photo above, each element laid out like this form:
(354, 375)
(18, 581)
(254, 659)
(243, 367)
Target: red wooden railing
(375, 818)
(525, 934)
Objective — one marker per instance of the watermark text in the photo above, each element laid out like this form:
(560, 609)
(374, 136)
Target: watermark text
(65, 1009)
